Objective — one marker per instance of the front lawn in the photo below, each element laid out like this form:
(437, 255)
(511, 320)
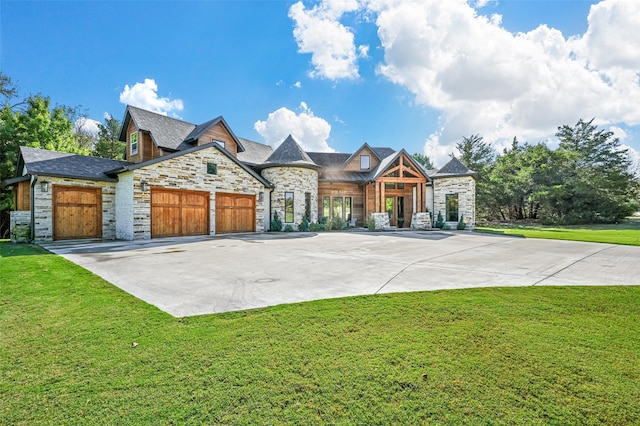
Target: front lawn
(627, 232)
(537, 355)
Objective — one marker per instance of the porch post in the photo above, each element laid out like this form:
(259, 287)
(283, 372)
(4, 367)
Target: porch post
(416, 206)
(383, 204)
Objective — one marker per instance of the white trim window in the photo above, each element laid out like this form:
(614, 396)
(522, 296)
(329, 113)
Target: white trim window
(222, 144)
(133, 139)
(365, 162)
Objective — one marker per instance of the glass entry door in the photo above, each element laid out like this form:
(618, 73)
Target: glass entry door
(394, 207)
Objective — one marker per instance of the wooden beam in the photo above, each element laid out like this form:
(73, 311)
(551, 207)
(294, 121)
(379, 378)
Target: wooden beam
(383, 201)
(401, 180)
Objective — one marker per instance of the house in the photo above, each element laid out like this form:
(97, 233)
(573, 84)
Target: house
(184, 179)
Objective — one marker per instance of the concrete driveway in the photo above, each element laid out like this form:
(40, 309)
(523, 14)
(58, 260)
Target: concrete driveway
(204, 275)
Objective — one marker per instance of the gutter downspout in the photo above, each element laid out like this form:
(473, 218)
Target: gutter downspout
(32, 237)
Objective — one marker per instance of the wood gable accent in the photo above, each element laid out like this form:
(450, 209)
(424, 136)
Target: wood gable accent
(402, 175)
(219, 132)
(353, 165)
(23, 196)
(147, 149)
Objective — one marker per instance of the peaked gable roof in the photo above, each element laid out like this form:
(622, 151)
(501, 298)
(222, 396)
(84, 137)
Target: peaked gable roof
(363, 147)
(64, 164)
(134, 166)
(388, 161)
(289, 153)
(254, 152)
(454, 168)
(167, 133)
(201, 129)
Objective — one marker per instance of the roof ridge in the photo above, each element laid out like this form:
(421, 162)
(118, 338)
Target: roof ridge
(162, 115)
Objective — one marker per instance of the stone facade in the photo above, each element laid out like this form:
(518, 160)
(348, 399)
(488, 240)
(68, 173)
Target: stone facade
(421, 221)
(124, 207)
(381, 220)
(20, 226)
(188, 171)
(299, 180)
(44, 206)
(465, 187)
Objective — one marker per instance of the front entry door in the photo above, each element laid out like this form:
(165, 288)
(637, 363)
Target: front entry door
(394, 206)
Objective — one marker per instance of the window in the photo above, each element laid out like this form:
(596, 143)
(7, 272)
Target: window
(288, 207)
(222, 144)
(365, 162)
(452, 207)
(133, 138)
(401, 186)
(307, 205)
(326, 207)
(389, 185)
(347, 208)
(212, 169)
(337, 207)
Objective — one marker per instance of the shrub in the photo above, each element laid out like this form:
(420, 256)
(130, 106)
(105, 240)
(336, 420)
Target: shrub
(461, 224)
(328, 225)
(440, 221)
(338, 223)
(288, 228)
(445, 226)
(304, 225)
(322, 220)
(275, 223)
(315, 227)
(371, 224)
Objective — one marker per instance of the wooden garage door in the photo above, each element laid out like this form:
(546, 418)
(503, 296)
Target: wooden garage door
(77, 212)
(179, 212)
(235, 213)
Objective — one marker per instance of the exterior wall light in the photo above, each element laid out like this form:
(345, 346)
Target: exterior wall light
(44, 186)
(261, 196)
(144, 185)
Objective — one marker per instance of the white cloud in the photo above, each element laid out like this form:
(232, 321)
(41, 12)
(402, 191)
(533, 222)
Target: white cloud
(297, 84)
(87, 125)
(318, 31)
(363, 51)
(145, 95)
(484, 79)
(309, 131)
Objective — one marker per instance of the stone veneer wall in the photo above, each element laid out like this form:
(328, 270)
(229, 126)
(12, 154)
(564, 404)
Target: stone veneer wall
(298, 180)
(189, 171)
(20, 226)
(44, 206)
(465, 187)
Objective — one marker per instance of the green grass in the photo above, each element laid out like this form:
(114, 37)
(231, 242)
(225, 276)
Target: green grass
(491, 356)
(627, 232)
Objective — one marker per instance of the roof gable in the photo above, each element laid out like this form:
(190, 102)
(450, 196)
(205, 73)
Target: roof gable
(166, 132)
(401, 163)
(134, 166)
(201, 129)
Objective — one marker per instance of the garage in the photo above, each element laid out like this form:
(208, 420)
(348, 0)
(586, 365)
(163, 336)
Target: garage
(77, 212)
(235, 213)
(176, 212)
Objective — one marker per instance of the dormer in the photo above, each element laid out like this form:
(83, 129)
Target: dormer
(363, 160)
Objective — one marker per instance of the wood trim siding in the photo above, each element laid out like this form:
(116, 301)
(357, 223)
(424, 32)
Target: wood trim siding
(220, 133)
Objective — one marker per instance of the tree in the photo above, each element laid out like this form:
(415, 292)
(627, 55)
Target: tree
(424, 160)
(596, 175)
(476, 154)
(108, 145)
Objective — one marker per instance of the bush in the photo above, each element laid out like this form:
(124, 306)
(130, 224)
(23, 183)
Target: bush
(328, 225)
(461, 224)
(315, 227)
(338, 223)
(275, 224)
(288, 228)
(440, 221)
(371, 224)
(445, 226)
(322, 220)
(304, 225)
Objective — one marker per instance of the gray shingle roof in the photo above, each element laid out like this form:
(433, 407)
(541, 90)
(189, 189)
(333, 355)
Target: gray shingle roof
(52, 163)
(454, 168)
(383, 152)
(254, 152)
(167, 132)
(329, 159)
(289, 153)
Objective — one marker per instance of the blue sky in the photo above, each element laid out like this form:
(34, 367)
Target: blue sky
(417, 75)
